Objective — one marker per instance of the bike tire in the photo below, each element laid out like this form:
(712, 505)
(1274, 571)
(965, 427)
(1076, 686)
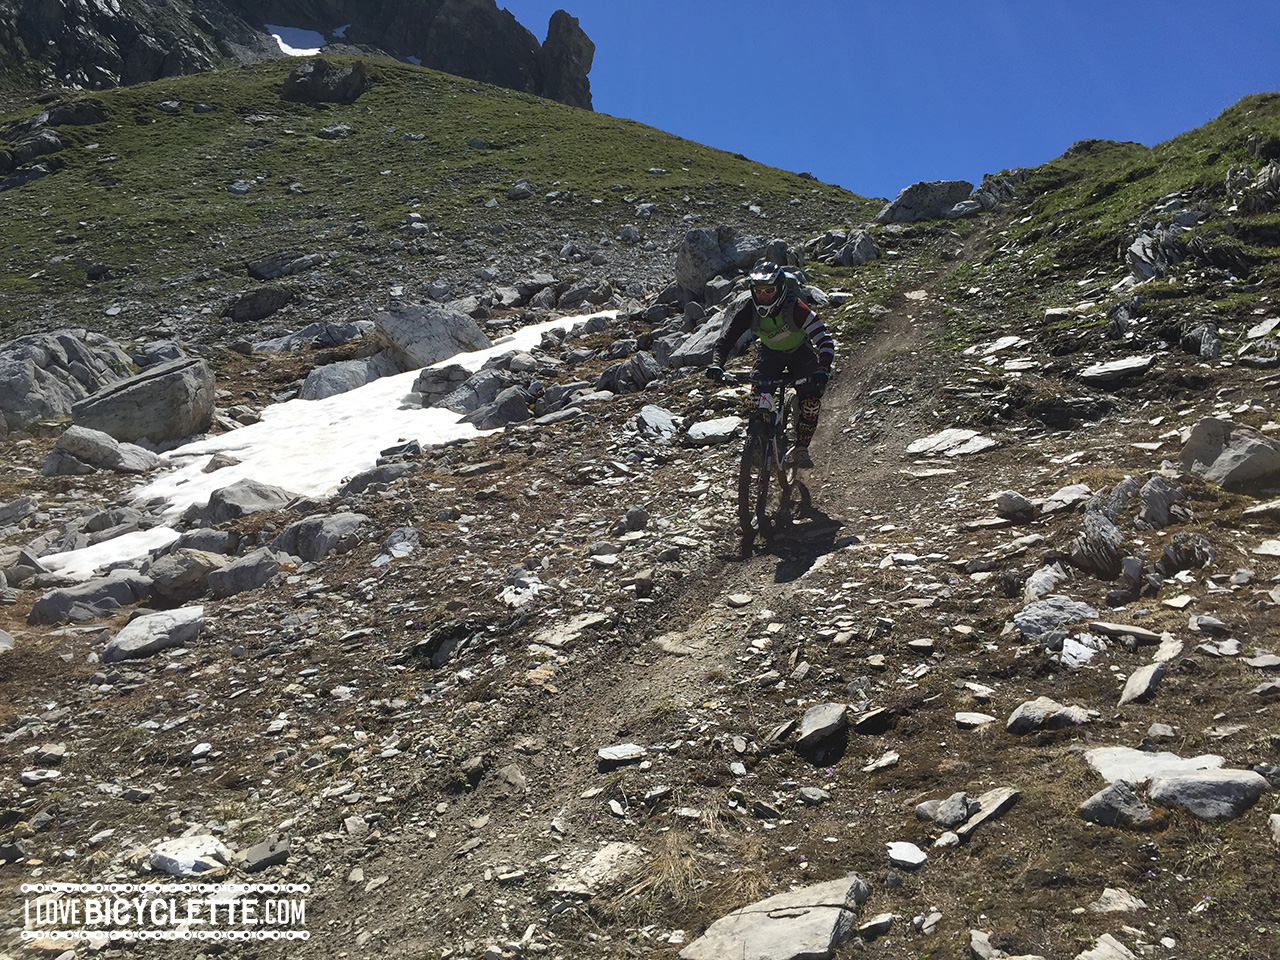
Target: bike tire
(783, 503)
(753, 473)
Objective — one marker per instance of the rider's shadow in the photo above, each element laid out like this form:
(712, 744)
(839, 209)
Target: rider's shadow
(811, 535)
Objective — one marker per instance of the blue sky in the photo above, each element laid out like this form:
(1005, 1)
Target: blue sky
(876, 94)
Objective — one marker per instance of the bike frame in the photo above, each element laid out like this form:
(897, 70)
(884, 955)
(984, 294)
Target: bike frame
(757, 513)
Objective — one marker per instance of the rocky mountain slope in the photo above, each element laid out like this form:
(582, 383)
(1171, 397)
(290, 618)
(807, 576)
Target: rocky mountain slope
(100, 45)
(1006, 689)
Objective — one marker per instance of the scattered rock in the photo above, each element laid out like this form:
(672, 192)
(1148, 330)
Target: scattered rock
(809, 922)
(1209, 794)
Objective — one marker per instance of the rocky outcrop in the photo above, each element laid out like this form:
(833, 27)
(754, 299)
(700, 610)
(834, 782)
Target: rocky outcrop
(927, 200)
(170, 401)
(43, 375)
(566, 60)
(105, 45)
(318, 81)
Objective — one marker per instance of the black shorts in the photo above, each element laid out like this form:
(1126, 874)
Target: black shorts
(801, 362)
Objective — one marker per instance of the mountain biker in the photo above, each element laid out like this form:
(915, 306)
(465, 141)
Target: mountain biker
(789, 339)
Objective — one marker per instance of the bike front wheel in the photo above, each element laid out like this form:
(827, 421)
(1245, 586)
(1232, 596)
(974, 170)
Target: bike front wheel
(753, 489)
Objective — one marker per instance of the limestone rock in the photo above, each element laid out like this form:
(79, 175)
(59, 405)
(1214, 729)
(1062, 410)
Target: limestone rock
(248, 573)
(607, 867)
(1044, 713)
(183, 575)
(1142, 683)
(165, 402)
(243, 498)
(926, 200)
(153, 632)
(802, 924)
(99, 449)
(1210, 794)
(346, 375)
(822, 722)
(90, 600)
(1138, 766)
(188, 857)
(44, 375)
(318, 81)
(1116, 806)
(1233, 456)
(1107, 948)
(707, 252)
(315, 538)
(1114, 900)
(423, 334)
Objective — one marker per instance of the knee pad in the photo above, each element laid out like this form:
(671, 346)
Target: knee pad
(809, 408)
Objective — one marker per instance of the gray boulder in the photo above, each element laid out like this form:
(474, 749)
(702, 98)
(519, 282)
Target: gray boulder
(375, 476)
(480, 389)
(439, 381)
(166, 402)
(91, 600)
(225, 542)
(248, 573)
(315, 538)
(423, 334)
(1142, 683)
(707, 252)
(927, 200)
(153, 632)
(335, 378)
(1098, 548)
(822, 722)
(15, 510)
(656, 423)
(799, 925)
(43, 375)
(284, 264)
(1157, 496)
(319, 81)
(1232, 456)
(157, 351)
(509, 406)
(254, 305)
(318, 335)
(59, 463)
(1116, 806)
(696, 351)
(630, 375)
(1210, 794)
(243, 498)
(38, 144)
(1044, 713)
(859, 249)
(1138, 766)
(183, 575)
(1046, 620)
(98, 449)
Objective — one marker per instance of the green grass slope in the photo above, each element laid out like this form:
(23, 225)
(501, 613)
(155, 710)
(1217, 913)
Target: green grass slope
(146, 192)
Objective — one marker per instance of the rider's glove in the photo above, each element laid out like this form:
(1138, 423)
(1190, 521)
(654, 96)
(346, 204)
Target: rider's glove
(819, 380)
(715, 372)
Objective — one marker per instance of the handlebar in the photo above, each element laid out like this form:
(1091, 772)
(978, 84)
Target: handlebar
(764, 385)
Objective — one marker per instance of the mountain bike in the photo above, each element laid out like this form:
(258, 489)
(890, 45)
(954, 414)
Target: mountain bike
(770, 494)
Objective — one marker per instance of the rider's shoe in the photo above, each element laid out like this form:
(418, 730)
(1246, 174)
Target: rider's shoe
(798, 457)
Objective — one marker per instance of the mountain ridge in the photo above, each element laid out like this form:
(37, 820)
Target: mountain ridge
(98, 46)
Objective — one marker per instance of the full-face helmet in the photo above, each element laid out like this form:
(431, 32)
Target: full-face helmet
(768, 287)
